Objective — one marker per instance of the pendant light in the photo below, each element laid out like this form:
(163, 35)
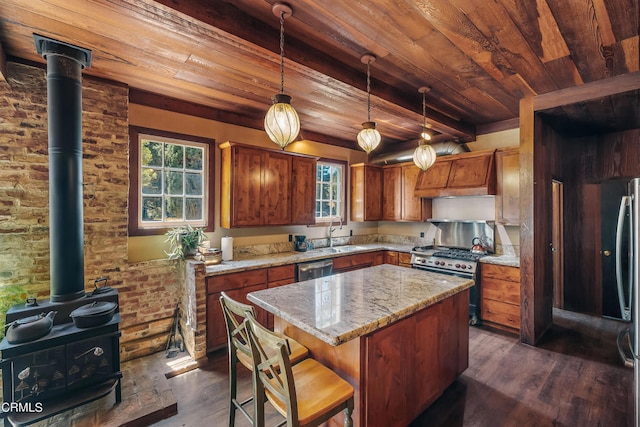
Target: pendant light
(368, 138)
(425, 155)
(282, 123)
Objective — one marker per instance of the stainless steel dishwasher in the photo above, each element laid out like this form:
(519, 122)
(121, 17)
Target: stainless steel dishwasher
(314, 269)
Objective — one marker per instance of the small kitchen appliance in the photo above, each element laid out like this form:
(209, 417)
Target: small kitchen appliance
(300, 244)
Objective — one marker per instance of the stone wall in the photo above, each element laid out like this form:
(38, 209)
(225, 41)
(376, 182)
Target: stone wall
(149, 291)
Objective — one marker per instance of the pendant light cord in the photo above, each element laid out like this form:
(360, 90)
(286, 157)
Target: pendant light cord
(368, 92)
(424, 113)
(282, 52)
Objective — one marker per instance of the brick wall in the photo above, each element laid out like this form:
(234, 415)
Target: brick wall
(148, 290)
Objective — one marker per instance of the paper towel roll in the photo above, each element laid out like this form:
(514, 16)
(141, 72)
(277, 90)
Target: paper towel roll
(226, 244)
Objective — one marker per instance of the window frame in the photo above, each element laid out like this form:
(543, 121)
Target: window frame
(324, 222)
(135, 133)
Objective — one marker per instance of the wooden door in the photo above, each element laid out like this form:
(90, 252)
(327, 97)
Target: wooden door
(412, 206)
(246, 196)
(508, 187)
(392, 193)
(303, 191)
(276, 188)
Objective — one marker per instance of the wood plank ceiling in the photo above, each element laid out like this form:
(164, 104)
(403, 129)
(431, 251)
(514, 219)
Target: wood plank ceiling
(479, 57)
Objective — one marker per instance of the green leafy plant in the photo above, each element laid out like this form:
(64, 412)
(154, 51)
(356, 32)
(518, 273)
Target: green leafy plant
(9, 296)
(183, 241)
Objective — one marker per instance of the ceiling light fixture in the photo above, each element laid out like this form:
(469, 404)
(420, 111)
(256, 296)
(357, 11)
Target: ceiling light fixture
(425, 155)
(368, 138)
(282, 123)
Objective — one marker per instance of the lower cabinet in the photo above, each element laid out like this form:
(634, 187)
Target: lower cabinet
(357, 261)
(500, 290)
(237, 286)
(402, 259)
(279, 276)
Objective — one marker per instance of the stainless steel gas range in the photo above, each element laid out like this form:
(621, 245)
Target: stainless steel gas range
(451, 254)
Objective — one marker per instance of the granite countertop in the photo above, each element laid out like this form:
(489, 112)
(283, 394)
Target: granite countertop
(283, 258)
(506, 260)
(339, 308)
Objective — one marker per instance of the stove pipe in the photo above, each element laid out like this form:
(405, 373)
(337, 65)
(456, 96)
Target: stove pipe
(66, 225)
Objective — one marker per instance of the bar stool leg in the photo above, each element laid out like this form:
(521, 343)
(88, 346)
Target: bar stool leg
(233, 379)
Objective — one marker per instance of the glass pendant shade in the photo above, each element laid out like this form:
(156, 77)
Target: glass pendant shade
(425, 135)
(424, 157)
(282, 123)
(369, 138)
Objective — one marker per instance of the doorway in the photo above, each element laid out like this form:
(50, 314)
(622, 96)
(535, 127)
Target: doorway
(557, 242)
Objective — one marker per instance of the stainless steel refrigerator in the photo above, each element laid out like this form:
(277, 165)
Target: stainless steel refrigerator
(627, 278)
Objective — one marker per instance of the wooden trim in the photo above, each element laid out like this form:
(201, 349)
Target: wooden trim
(3, 65)
(134, 207)
(498, 126)
(598, 89)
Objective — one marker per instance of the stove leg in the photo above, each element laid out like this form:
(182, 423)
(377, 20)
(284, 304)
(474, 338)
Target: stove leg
(119, 391)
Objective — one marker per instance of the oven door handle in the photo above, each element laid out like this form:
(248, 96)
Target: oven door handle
(444, 271)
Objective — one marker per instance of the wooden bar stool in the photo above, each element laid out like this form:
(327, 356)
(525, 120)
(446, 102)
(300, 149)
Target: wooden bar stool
(306, 394)
(240, 350)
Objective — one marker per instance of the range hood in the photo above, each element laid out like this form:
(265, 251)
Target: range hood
(466, 174)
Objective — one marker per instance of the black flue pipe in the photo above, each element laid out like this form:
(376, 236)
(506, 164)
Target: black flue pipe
(66, 222)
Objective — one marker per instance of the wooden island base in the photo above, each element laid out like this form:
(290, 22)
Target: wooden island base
(399, 370)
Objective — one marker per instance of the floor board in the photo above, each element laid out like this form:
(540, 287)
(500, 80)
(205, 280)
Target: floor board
(573, 378)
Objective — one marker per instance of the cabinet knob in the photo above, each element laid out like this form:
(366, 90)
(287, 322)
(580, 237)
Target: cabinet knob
(607, 253)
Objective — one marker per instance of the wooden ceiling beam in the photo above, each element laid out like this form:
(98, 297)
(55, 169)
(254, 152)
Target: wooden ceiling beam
(3, 65)
(228, 18)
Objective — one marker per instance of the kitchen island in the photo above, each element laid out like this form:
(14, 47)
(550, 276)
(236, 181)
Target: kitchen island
(400, 336)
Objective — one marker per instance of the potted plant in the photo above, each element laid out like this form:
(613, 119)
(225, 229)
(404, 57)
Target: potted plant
(184, 240)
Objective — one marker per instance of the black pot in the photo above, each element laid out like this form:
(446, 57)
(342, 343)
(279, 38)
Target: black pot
(30, 328)
(95, 314)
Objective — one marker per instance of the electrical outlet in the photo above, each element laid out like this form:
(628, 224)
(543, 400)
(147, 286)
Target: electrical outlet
(350, 232)
(290, 238)
(422, 234)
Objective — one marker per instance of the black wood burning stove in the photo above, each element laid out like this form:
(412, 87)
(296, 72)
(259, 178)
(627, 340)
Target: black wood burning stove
(70, 365)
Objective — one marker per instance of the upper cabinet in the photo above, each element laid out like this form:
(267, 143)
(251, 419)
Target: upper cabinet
(259, 187)
(467, 174)
(508, 186)
(399, 202)
(366, 192)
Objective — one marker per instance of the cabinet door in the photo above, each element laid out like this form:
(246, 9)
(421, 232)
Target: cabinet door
(303, 191)
(246, 193)
(366, 192)
(508, 187)
(276, 189)
(392, 193)
(216, 328)
(391, 257)
(412, 206)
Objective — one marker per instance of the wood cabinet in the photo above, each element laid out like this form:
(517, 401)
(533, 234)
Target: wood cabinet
(237, 286)
(399, 202)
(260, 186)
(391, 257)
(404, 259)
(366, 192)
(357, 261)
(279, 276)
(467, 174)
(500, 290)
(508, 186)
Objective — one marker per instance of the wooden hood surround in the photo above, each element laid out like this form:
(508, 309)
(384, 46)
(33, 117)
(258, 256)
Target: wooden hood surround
(467, 174)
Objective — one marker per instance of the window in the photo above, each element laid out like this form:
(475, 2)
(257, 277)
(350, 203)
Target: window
(330, 190)
(170, 181)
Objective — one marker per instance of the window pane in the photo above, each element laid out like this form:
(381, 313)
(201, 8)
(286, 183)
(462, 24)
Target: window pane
(174, 183)
(152, 208)
(174, 208)
(151, 181)
(174, 156)
(193, 209)
(193, 158)
(326, 191)
(151, 153)
(326, 209)
(193, 184)
(326, 175)
(318, 212)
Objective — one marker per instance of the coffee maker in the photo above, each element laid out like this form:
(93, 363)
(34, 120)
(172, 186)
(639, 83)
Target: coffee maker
(300, 245)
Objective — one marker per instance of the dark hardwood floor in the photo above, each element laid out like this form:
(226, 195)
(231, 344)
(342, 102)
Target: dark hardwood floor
(574, 378)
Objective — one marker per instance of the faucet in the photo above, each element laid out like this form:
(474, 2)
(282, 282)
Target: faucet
(332, 229)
